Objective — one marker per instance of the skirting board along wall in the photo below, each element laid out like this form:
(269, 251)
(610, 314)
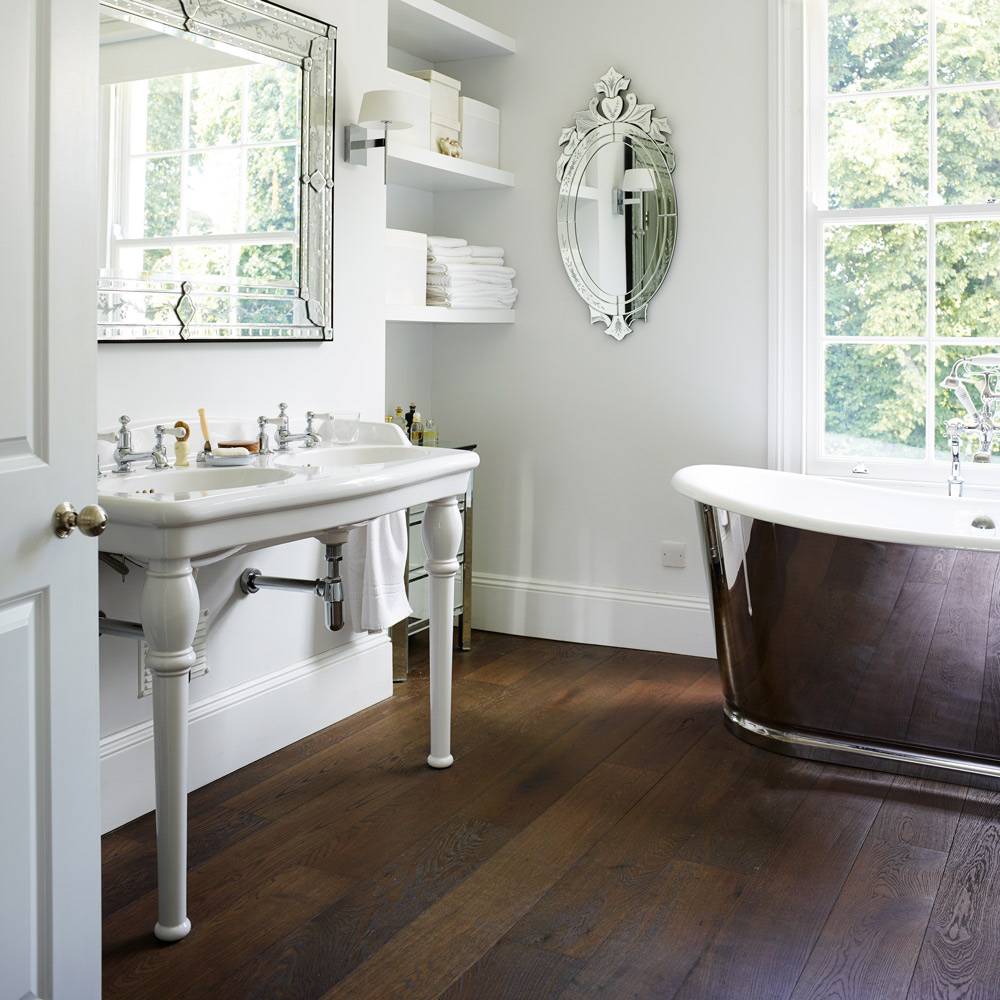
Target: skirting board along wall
(606, 616)
(247, 722)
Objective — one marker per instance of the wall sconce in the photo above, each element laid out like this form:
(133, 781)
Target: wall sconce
(635, 179)
(389, 110)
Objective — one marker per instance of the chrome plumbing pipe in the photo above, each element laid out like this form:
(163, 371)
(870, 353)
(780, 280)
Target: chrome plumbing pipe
(330, 588)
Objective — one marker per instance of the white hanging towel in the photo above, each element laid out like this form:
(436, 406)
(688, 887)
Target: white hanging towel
(375, 563)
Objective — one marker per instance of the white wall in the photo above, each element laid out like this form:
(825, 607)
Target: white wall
(275, 674)
(580, 435)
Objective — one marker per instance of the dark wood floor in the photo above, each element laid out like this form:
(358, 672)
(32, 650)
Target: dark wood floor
(600, 835)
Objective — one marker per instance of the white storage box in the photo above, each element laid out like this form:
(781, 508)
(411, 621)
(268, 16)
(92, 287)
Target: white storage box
(405, 268)
(444, 94)
(444, 128)
(420, 134)
(480, 132)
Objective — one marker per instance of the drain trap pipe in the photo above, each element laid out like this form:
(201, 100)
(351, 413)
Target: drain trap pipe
(330, 587)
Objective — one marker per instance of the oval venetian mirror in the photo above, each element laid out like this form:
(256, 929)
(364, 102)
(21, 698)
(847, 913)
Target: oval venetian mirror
(617, 205)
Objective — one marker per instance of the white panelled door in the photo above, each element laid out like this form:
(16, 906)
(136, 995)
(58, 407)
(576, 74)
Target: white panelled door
(49, 712)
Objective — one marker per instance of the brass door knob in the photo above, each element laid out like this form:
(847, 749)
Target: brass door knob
(92, 520)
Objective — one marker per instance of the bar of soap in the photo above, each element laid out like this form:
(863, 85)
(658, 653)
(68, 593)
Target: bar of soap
(221, 452)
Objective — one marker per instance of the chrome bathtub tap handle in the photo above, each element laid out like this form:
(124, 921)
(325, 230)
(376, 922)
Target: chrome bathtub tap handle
(956, 484)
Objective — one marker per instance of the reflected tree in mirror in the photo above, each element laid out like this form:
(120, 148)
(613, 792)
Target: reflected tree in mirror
(617, 219)
(216, 201)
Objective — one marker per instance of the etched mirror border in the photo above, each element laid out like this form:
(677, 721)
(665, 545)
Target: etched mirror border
(311, 45)
(613, 115)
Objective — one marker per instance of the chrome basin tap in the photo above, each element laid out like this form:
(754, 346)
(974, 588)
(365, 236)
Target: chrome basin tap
(283, 434)
(124, 456)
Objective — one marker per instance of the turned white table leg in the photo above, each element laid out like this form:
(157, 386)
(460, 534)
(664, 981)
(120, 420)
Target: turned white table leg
(442, 533)
(170, 609)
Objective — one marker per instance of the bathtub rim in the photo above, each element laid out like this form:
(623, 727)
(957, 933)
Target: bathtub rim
(837, 507)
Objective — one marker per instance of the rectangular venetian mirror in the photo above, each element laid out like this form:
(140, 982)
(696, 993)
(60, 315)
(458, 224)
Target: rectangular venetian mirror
(217, 172)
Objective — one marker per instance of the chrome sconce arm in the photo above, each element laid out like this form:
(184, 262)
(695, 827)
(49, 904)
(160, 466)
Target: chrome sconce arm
(389, 110)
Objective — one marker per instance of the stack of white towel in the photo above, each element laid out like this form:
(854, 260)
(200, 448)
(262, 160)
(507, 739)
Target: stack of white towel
(468, 277)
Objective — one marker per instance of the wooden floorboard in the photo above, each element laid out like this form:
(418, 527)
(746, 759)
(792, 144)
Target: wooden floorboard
(600, 835)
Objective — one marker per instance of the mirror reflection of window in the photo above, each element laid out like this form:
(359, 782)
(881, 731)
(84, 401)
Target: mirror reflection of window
(202, 156)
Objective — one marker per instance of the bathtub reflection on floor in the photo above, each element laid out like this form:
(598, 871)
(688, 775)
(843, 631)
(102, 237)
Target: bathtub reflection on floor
(870, 653)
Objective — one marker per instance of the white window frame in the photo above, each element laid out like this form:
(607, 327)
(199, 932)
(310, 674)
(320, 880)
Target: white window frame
(797, 129)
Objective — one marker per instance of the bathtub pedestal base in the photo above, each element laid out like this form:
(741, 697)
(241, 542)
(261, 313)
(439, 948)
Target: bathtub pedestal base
(872, 756)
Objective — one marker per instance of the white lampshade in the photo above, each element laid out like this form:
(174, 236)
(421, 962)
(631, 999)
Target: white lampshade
(395, 107)
(639, 179)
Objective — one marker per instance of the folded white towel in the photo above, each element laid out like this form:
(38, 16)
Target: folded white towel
(472, 300)
(456, 281)
(449, 252)
(480, 304)
(467, 270)
(468, 262)
(486, 251)
(375, 561)
(446, 241)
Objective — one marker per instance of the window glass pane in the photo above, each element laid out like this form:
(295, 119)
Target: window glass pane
(268, 263)
(877, 152)
(969, 146)
(968, 41)
(157, 263)
(875, 400)
(946, 406)
(877, 44)
(275, 95)
(876, 281)
(162, 204)
(213, 192)
(164, 110)
(216, 107)
(272, 181)
(968, 279)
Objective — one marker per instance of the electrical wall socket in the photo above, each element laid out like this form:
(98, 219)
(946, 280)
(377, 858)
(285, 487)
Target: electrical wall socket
(674, 555)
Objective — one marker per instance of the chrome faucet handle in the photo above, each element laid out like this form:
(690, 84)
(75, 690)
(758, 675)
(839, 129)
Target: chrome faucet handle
(124, 436)
(159, 453)
(312, 437)
(263, 441)
(280, 422)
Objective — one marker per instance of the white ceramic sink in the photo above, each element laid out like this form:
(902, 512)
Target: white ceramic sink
(199, 511)
(170, 484)
(197, 515)
(347, 456)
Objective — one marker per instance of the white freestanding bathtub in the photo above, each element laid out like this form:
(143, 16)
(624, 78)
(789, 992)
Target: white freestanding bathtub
(855, 623)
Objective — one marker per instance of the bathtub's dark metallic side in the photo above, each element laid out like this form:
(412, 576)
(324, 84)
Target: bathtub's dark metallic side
(872, 654)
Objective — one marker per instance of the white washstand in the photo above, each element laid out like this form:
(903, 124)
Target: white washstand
(202, 514)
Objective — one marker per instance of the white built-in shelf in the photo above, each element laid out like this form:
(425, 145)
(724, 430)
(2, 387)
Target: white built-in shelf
(429, 171)
(430, 30)
(442, 314)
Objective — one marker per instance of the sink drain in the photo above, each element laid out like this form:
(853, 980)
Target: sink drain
(984, 523)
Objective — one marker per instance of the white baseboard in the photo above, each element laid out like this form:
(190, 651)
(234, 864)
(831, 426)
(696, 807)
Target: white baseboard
(605, 616)
(244, 723)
